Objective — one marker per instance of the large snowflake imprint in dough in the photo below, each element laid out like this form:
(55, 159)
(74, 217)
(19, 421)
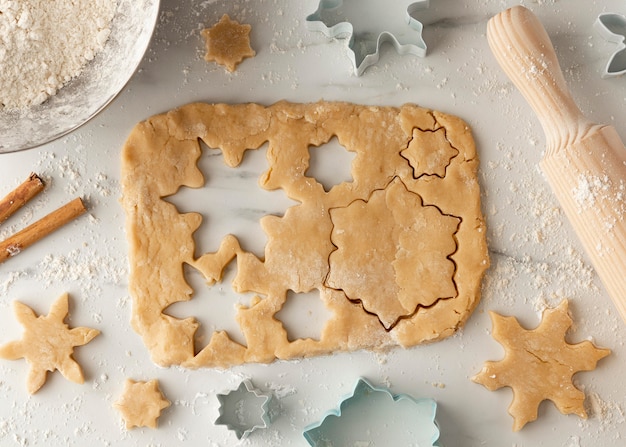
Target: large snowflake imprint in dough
(393, 253)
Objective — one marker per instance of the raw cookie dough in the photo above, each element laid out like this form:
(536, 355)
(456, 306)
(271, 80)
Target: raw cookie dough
(47, 343)
(549, 363)
(421, 234)
(141, 403)
(228, 43)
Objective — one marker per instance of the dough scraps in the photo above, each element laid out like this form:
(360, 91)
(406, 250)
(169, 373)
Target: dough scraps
(47, 343)
(397, 253)
(141, 403)
(228, 43)
(549, 363)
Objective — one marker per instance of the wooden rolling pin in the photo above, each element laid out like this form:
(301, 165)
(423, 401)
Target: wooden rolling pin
(585, 163)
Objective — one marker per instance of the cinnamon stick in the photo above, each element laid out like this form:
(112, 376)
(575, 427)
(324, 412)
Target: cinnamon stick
(38, 230)
(20, 195)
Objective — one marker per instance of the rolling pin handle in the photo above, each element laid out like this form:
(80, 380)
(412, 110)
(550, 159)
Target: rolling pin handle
(524, 50)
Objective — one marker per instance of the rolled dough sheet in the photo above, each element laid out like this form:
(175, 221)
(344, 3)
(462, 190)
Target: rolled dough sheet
(397, 254)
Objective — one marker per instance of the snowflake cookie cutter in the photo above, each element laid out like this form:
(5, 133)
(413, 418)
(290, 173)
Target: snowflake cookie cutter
(374, 416)
(364, 47)
(244, 410)
(612, 27)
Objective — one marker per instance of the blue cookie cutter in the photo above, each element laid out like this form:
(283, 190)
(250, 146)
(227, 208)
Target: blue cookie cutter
(612, 27)
(374, 416)
(364, 44)
(244, 410)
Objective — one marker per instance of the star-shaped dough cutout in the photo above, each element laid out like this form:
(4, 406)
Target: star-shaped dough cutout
(47, 344)
(228, 43)
(141, 403)
(539, 364)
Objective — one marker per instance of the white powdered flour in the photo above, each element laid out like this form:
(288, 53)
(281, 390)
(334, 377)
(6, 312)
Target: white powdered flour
(46, 43)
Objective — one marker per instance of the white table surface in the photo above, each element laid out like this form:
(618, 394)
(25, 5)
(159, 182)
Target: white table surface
(536, 259)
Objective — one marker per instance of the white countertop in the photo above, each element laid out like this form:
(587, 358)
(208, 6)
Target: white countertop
(536, 259)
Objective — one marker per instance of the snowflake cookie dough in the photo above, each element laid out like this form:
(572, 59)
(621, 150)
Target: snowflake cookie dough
(539, 365)
(228, 43)
(141, 403)
(397, 254)
(47, 343)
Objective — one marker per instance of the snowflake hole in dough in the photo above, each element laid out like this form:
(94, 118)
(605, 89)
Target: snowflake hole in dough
(304, 315)
(330, 164)
(236, 209)
(213, 306)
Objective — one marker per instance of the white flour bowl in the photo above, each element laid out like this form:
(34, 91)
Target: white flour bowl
(90, 92)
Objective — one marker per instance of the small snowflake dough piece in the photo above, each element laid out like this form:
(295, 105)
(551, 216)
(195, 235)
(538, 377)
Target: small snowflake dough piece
(539, 364)
(397, 253)
(141, 403)
(47, 343)
(228, 43)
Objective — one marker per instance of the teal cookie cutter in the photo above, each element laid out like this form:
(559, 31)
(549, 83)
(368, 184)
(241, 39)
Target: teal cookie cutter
(374, 416)
(366, 34)
(244, 410)
(612, 27)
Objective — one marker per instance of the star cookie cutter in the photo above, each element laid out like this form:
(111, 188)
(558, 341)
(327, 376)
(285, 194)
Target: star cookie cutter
(374, 416)
(612, 27)
(364, 47)
(244, 409)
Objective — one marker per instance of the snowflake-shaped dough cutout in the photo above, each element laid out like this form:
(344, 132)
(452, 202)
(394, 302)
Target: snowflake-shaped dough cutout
(539, 364)
(141, 403)
(228, 43)
(48, 343)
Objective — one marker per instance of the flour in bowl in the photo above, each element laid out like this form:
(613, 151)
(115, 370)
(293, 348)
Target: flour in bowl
(44, 44)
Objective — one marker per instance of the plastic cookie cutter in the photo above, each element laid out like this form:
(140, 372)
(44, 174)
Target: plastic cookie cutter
(244, 410)
(368, 30)
(374, 416)
(612, 27)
